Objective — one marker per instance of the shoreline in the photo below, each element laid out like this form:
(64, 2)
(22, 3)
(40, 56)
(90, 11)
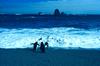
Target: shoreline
(52, 57)
(54, 48)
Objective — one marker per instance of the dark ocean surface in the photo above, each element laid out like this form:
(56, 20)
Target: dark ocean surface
(33, 21)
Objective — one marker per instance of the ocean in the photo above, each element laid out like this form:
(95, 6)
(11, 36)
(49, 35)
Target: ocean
(71, 31)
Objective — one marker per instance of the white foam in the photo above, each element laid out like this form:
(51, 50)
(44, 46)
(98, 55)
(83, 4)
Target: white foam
(57, 37)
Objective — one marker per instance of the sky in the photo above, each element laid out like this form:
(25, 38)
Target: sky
(48, 6)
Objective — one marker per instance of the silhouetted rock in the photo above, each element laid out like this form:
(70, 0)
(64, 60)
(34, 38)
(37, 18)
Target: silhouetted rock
(56, 12)
(40, 13)
(62, 13)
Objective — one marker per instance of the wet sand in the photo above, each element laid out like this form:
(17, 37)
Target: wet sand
(52, 57)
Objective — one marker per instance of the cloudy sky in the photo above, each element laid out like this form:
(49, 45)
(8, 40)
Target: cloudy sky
(48, 6)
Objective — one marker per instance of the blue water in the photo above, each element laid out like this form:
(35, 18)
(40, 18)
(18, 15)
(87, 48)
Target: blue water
(19, 31)
(84, 22)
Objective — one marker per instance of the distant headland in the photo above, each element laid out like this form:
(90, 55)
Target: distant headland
(56, 12)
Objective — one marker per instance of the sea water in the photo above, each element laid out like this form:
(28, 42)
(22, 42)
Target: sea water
(56, 33)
